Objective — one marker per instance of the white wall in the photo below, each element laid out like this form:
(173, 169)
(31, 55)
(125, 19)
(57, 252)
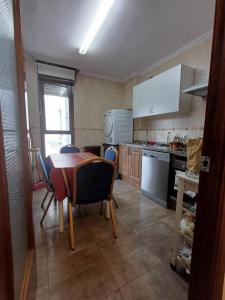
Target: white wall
(92, 97)
(32, 96)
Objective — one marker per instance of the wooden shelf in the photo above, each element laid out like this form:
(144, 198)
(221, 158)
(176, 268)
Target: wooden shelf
(173, 198)
(186, 206)
(186, 237)
(190, 184)
(186, 265)
(199, 89)
(186, 209)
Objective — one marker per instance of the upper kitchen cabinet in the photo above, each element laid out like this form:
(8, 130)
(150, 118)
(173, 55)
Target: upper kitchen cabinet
(162, 94)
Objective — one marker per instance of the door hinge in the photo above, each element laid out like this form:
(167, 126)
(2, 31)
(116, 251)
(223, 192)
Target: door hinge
(205, 163)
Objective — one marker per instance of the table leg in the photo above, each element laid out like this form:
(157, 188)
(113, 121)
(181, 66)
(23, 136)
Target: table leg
(61, 216)
(61, 212)
(66, 182)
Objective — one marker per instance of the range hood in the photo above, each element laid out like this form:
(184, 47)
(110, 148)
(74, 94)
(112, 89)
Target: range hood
(199, 89)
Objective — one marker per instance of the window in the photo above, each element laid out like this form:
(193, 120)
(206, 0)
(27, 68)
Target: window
(56, 103)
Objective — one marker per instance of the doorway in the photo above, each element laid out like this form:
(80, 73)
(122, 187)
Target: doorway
(56, 114)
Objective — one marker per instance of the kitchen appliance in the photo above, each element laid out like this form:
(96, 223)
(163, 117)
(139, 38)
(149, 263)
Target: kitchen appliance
(118, 126)
(155, 176)
(178, 163)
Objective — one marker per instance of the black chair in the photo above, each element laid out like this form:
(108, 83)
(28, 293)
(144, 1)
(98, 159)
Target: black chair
(111, 153)
(93, 182)
(70, 149)
(45, 167)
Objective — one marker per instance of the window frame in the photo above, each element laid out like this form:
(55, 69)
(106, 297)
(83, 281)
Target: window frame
(45, 79)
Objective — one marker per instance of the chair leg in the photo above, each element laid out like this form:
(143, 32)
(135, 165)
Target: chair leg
(46, 210)
(115, 202)
(45, 197)
(79, 211)
(68, 215)
(71, 226)
(61, 216)
(112, 218)
(55, 201)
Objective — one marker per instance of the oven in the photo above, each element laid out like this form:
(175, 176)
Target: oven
(178, 163)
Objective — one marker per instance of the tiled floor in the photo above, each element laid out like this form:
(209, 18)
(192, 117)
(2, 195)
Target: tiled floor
(135, 266)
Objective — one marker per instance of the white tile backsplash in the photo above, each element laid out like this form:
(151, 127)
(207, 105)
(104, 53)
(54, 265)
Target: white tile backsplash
(161, 135)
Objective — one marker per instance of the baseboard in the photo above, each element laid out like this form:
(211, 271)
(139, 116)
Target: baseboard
(27, 273)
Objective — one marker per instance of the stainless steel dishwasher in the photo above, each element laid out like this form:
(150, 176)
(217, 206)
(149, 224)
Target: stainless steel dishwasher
(155, 175)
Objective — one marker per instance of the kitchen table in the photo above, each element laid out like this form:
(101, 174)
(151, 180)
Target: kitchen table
(62, 177)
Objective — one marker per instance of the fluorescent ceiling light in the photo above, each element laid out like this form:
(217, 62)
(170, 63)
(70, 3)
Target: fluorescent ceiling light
(98, 20)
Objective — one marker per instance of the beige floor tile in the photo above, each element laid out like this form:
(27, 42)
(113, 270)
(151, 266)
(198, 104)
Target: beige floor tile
(141, 289)
(39, 294)
(168, 282)
(122, 186)
(133, 265)
(96, 282)
(115, 296)
(158, 237)
(122, 246)
(137, 261)
(156, 284)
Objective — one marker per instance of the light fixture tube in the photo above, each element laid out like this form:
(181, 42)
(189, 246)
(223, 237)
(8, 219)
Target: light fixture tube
(98, 21)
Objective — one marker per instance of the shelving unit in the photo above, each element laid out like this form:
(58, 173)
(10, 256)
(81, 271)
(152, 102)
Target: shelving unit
(186, 265)
(185, 184)
(200, 89)
(186, 237)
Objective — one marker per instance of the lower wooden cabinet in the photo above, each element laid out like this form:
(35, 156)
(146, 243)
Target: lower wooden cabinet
(130, 164)
(123, 160)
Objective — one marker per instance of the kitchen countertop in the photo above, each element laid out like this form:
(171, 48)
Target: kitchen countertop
(158, 148)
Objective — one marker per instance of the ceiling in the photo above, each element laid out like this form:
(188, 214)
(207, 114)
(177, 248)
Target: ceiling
(135, 35)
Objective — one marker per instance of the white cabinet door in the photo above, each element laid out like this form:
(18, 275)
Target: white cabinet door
(141, 102)
(162, 94)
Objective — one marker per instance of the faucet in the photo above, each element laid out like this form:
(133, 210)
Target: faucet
(146, 136)
(168, 138)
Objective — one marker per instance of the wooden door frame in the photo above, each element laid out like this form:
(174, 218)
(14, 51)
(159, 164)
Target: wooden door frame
(23, 123)
(208, 256)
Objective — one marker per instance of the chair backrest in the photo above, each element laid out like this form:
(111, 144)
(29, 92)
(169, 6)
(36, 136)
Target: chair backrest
(69, 149)
(93, 181)
(111, 154)
(42, 165)
(48, 165)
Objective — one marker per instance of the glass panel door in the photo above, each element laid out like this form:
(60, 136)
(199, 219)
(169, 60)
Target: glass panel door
(13, 161)
(57, 116)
